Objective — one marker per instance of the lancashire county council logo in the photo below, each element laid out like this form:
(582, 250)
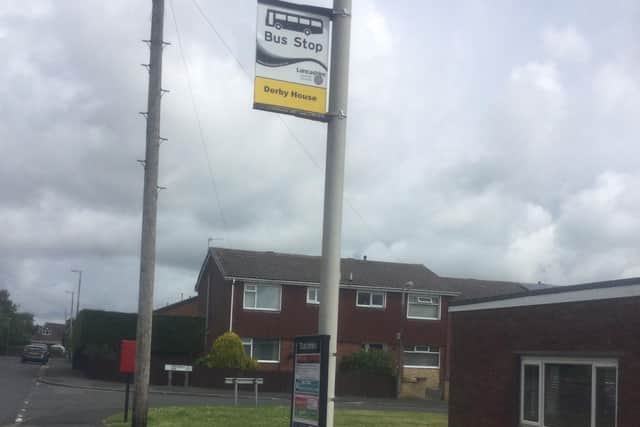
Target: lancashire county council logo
(318, 79)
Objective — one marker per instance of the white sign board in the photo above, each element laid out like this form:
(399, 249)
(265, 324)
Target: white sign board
(178, 368)
(292, 58)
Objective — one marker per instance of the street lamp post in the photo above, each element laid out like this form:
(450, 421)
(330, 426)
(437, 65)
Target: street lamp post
(71, 315)
(6, 346)
(79, 286)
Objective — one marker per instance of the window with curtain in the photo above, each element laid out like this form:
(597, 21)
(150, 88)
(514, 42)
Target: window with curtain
(562, 392)
(423, 307)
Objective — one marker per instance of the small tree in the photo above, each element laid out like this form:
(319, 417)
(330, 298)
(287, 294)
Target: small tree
(227, 352)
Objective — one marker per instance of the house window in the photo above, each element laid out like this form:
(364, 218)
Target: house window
(46, 331)
(422, 356)
(423, 307)
(370, 299)
(372, 347)
(576, 392)
(262, 297)
(264, 350)
(312, 296)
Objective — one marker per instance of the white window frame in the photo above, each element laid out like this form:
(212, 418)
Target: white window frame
(423, 296)
(428, 351)
(371, 305)
(317, 298)
(249, 341)
(595, 363)
(253, 287)
(367, 347)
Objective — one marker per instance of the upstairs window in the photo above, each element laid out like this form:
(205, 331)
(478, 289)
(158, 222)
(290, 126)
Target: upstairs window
(370, 299)
(313, 295)
(262, 297)
(423, 307)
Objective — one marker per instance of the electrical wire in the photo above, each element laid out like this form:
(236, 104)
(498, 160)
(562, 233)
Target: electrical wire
(284, 123)
(199, 122)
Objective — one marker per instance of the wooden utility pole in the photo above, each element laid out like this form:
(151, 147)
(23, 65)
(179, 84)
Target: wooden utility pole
(149, 216)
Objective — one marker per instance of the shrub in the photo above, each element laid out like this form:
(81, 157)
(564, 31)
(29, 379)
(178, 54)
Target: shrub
(369, 362)
(227, 352)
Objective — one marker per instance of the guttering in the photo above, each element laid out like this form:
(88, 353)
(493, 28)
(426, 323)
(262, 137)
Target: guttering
(342, 286)
(233, 282)
(557, 297)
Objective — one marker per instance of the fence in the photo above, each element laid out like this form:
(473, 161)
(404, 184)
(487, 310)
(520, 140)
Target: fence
(347, 384)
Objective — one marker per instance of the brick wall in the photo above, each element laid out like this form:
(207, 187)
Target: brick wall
(486, 347)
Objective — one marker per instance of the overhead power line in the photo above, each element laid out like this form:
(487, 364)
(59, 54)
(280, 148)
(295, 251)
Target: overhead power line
(198, 121)
(297, 140)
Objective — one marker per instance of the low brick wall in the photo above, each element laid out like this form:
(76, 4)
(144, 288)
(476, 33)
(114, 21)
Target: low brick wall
(418, 383)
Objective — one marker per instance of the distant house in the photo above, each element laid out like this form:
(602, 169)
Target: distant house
(190, 307)
(563, 356)
(49, 333)
(269, 298)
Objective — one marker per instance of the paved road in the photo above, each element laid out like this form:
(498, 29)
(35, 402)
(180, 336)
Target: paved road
(41, 404)
(17, 380)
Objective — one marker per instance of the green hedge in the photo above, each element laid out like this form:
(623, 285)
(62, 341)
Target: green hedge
(100, 332)
(368, 362)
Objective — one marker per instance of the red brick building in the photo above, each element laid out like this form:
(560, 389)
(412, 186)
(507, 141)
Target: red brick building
(566, 357)
(269, 298)
(190, 307)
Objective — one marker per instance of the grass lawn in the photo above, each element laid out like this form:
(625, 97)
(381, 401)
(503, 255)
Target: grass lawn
(234, 416)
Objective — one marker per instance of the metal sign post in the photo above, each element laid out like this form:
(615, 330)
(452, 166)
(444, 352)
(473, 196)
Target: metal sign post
(292, 53)
(334, 189)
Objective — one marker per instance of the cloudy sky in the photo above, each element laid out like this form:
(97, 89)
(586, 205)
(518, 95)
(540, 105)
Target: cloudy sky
(487, 139)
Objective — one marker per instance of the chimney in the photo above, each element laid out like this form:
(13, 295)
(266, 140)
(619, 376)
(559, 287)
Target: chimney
(364, 257)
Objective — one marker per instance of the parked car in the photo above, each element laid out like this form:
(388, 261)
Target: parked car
(57, 350)
(35, 353)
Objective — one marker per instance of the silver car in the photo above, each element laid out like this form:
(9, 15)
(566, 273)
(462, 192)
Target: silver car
(35, 353)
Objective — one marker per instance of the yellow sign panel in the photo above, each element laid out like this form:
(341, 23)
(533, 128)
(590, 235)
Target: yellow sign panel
(290, 95)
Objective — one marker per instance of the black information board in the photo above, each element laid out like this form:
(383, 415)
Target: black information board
(310, 375)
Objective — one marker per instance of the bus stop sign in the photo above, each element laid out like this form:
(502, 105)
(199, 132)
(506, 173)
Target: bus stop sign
(292, 59)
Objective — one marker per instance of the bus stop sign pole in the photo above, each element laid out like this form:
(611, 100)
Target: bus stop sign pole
(334, 189)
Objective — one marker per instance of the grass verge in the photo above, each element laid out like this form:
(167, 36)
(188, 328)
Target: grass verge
(238, 416)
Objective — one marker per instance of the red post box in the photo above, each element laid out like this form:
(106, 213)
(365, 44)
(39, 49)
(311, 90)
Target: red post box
(127, 356)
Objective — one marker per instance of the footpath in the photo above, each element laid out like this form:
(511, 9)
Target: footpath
(59, 373)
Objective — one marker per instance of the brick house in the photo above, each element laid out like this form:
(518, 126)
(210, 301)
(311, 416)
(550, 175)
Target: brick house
(190, 307)
(566, 356)
(49, 333)
(269, 298)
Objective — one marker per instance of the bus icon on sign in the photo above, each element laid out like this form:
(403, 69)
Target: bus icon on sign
(290, 21)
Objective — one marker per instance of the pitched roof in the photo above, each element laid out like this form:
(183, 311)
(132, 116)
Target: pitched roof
(267, 265)
(244, 264)
(473, 288)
